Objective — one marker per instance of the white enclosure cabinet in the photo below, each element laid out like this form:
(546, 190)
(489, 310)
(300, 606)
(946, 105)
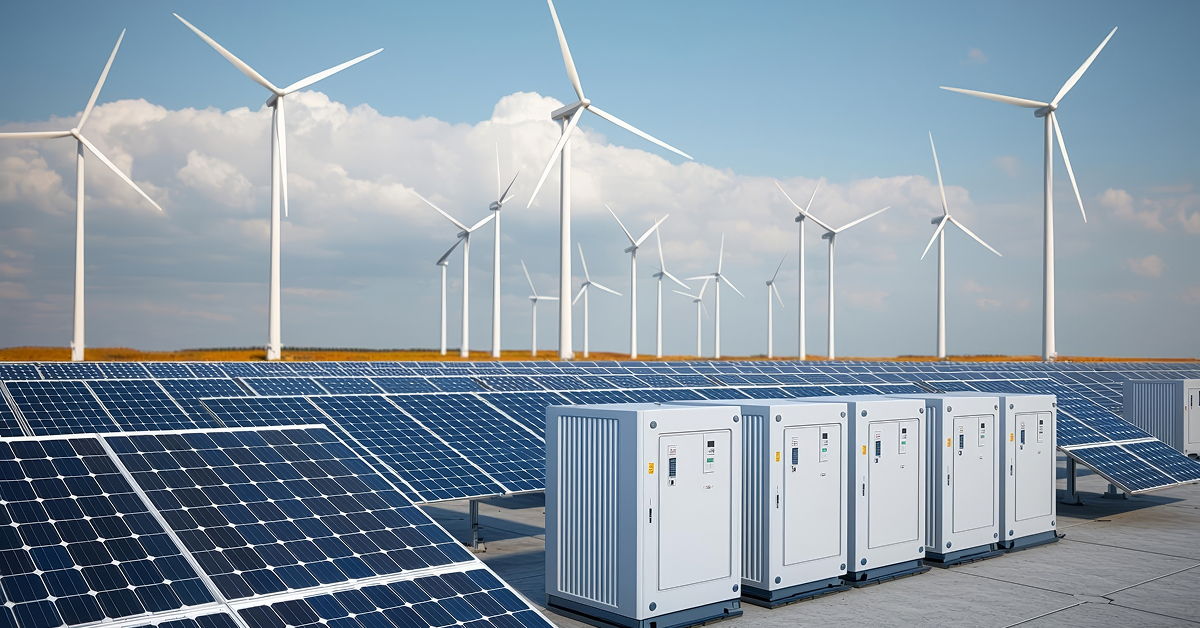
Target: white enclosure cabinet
(1169, 409)
(643, 513)
(886, 485)
(794, 499)
(963, 456)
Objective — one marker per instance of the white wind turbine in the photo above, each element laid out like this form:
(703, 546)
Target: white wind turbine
(698, 299)
(800, 221)
(583, 292)
(568, 118)
(534, 298)
(501, 199)
(771, 287)
(939, 234)
(465, 235)
(444, 261)
(77, 340)
(1051, 131)
(831, 235)
(662, 272)
(279, 168)
(632, 249)
(717, 277)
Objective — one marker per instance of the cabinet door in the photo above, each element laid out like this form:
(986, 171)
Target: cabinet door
(893, 483)
(695, 519)
(812, 493)
(1033, 471)
(973, 487)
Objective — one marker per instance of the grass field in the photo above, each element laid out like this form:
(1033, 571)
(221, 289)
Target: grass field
(120, 354)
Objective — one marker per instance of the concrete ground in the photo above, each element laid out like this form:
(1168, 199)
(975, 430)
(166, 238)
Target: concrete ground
(1129, 562)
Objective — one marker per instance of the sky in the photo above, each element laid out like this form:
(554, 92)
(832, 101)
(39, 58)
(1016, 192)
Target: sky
(758, 93)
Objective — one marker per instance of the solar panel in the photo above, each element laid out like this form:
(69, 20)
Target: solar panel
(527, 407)
(78, 545)
(283, 386)
(567, 382)
(59, 407)
(241, 369)
(1166, 459)
(9, 424)
(455, 384)
(693, 381)
(206, 370)
(123, 370)
(507, 383)
(139, 405)
(1122, 468)
(275, 368)
(660, 381)
(474, 598)
(422, 460)
(804, 391)
(625, 381)
(213, 620)
(348, 385)
(721, 393)
(263, 411)
(404, 384)
(763, 392)
(851, 390)
(599, 396)
(70, 370)
(188, 392)
(19, 371)
(266, 511)
(507, 452)
(168, 369)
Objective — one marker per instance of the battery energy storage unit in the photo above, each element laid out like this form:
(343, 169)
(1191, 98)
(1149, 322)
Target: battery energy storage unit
(794, 494)
(962, 453)
(643, 513)
(1169, 409)
(886, 484)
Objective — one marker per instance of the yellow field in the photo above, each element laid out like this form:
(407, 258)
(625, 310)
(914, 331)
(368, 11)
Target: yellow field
(120, 354)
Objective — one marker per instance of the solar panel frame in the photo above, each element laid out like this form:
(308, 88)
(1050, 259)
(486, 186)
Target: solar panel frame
(70, 370)
(263, 411)
(171, 370)
(404, 384)
(274, 386)
(123, 370)
(9, 370)
(140, 405)
(348, 385)
(527, 408)
(1120, 467)
(188, 392)
(53, 407)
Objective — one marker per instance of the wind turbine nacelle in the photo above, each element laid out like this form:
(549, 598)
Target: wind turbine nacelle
(1042, 112)
(828, 236)
(800, 218)
(494, 206)
(936, 219)
(567, 111)
(630, 249)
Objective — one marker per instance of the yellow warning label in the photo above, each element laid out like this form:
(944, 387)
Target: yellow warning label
(777, 456)
(1010, 439)
(651, 468)
(864, 450)
(947, 442)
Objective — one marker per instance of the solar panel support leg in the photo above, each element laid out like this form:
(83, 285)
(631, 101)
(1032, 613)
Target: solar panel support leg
(1114, 493)
(477, 542)
(1071, 496)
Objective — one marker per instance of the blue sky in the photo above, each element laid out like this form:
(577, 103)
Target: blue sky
(754, 91)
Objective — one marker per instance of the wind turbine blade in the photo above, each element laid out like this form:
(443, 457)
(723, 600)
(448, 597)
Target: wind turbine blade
(675, 279)
(627, 234)
(653, 229)
(592, 283)
(1062, 146)
(776, 290)
(690, 296)
(1078, 73)
(566, 53)
(808, 207)
(442, 259)
(87, 111)
(802, 211)
(504, 197)
(863, 218)
(582, 289)
(701, 293)
(941, 225)
(237, 63)
(283, 168)
(1008, 100)
(704, 308)
(726, 280)
(721, 255)
(531, 288)
(97, 153)
(439, 210)
(975, 237)
(777, 268)
(302, 83)
(35, 135)
(562, 141)
(483, 222)
(706, 278)
(548, 298)
(662, 264)
(581, 259)
(945, 209)
(632, 129)
(499, 196)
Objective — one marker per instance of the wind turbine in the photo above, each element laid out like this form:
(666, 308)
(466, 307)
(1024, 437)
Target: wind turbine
(583, 292)
(278, 167)
(632, 249)
(534, 298)
(501, 199)
(568, 118)
(939, 234)
(465, 235)
(800, 220)
(82, 142)
(662, 272)
(717, 277)
(771, 310)
(831, 234)
(698, 299)
(444, 261)
(1051, 132)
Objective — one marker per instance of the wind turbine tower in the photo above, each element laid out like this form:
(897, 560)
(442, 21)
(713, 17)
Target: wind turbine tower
(771, 287)
(583, 292)
(662, 272)
(718, 278)
(534, 298)
(632, 249)
(800, 220)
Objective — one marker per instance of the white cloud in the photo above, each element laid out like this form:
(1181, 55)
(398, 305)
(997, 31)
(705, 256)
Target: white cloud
(1009, 164)
(975, 56)
(217, 180)
(1123, 206)
(1149, 266)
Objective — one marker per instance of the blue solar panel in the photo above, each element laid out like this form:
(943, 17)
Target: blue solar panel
(665, 394)
(275, 368)
(188, 392)
(625, 382)
(19, 371)
(729, 379)
(215, 620)
(348, 385)
(71, 370)
(1122, 468)
(241, 369)
(510, 383)
(805, 391)
(851, 390)
(721, 393)
(9, 425)
(527, 407)
(507, 452)
(598, 396)
(695, 381)
(263, 411)
(283, 386)
(266, 511)
(308, 368)
(123, 370)
(423, 461)
(391, 371)
(764, 392)
(168, 369)
(899, 389)
(568, 382)
(475, 599)
(78, 545)
(59, 407)
(140, 405)
(404, 384)
(455, 384)
(1168, 460)
(206, 370)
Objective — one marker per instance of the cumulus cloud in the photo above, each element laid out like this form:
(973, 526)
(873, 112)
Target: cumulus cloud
(1123, 206)
(1149, 266)
(216, 180)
